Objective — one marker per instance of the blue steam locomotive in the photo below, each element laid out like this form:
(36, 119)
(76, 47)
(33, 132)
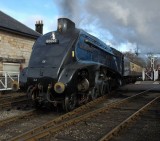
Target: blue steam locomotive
(70, 67)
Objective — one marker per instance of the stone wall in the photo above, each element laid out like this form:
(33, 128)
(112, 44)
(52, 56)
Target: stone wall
(13, 47)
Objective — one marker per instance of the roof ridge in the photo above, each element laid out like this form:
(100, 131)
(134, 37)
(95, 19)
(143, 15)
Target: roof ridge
(11, 23)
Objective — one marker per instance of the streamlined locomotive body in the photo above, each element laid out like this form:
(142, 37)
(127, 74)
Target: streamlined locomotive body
(70, 67)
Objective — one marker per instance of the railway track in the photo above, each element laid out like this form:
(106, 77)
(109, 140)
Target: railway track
(8, 97)
(28, 118)
(80, 114)
(94, 126)
(115, 131)
(8, 101)
(60, 118)
(16, 125)
(145, 128)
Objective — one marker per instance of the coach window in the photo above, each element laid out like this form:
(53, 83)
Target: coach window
(11, 68)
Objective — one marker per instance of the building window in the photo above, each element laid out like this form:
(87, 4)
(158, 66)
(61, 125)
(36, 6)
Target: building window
(11, 67)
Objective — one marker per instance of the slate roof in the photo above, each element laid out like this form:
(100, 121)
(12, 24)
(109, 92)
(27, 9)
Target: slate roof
(8, 23)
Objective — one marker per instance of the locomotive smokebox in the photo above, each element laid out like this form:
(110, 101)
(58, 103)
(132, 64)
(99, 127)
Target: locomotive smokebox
(65, 24)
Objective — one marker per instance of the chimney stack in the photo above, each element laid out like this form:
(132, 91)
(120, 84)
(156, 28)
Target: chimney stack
(65, 24)
(39, 26)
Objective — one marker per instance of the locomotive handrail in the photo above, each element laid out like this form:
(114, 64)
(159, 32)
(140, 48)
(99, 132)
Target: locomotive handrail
(7, 78)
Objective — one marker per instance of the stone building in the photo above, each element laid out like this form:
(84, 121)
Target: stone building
(16, 41)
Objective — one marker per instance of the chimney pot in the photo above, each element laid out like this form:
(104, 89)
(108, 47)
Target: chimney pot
(39, 26)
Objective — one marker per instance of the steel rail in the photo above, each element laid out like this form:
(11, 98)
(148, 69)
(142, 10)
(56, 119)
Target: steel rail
(13, 118)
(51, 127)
(9, 104)
(8, 100)
(11, 95)
(5, 105)
(126, 122)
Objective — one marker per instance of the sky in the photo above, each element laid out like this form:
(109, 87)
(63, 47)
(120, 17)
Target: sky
(125, 25)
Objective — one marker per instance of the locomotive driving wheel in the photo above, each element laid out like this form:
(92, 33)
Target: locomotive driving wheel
(104, 88)
(31, 92)
(94, 93)
(70, 102)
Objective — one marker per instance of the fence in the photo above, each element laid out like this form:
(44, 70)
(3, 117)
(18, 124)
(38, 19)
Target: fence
(6, 80)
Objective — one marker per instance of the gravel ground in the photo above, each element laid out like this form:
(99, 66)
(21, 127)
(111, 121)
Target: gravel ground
(91, 129)
(23, 125)
(10, 113)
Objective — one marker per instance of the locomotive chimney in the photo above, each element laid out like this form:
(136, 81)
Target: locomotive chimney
(65, 24)
(39, 26)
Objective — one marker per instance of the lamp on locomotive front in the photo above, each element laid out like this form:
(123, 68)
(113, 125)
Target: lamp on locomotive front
(59, 87)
